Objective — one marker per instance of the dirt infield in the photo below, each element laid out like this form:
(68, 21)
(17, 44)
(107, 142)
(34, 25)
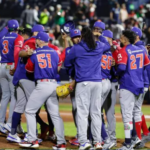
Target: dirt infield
(48, 144)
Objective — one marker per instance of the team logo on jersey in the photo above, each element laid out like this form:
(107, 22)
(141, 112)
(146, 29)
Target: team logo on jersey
(68, 50)
(129, 51)
(20, 43)
(26, 47)
(119, 57)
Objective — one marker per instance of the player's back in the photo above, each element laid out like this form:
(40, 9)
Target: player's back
(7, 47)
(132, 79)
(106, 63)
(45, 62)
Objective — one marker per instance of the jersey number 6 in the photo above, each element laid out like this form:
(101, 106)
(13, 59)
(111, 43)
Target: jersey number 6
(5, 45)
(133, 59)
(43, 62)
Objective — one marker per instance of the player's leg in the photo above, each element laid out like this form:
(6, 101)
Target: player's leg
(53, 109)
(12, 101)
(95, 112)
(82, 98)
(127, 102)
(37, 98)
(144, 125)
(4, 102)
(19, 109)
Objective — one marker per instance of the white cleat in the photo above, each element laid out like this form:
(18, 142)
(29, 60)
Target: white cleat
(26, 139)
(14, 138)
(7, 126)
(33, 144)
(2, 129)
(98, 146)
(84, 146)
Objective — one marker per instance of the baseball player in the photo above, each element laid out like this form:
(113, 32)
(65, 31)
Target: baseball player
(130, 68)
(138, 104)
(44, 63)
(88, 85)
(75, 35)
(9, 47)
(25, 85)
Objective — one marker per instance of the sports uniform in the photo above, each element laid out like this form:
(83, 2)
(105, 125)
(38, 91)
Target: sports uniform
(138, 104)
(88, 89)
(131, 62)
(9, 47)
(44, 63)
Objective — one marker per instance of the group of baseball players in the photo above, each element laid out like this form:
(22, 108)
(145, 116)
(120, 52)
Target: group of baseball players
(97, 65)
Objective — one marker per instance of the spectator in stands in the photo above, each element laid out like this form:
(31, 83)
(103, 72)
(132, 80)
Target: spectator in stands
(123, 13)
(114, 14)
(36, 13)
(59, 16)
(44, 17)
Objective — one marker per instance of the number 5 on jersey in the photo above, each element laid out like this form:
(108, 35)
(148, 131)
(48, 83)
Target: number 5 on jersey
(44, 60)
(106, 62)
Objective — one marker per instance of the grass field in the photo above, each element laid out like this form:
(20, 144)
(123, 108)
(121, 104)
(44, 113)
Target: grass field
(70, 129)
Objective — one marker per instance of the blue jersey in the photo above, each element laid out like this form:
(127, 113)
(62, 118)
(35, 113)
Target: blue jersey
(132, 59)
(87, 62)
(3, 32)
(44, 63)
(140, 44)
(7, 46)
(106, 63)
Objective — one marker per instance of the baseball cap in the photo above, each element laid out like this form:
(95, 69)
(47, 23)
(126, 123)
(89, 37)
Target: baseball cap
(38, 28)
(74, 33)
(137, 31)
(107, 33)
(67, 26)
(43, 36)
(99, 24)
(13, 24)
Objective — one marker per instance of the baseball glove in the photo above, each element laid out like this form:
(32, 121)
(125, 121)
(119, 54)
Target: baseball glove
(63, 90)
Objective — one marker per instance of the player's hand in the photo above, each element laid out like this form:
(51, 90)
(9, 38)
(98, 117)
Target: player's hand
(12, 71)
(72, 86)
(30, 52)
(96, 33)
(113, 62)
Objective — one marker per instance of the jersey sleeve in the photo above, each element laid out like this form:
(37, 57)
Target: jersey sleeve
(17, 47)
(122, 57)
(63, 55)
(146, 60)
(30, 65)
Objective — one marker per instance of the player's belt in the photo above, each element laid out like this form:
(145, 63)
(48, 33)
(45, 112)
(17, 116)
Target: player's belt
(46, 80)
(8, 65)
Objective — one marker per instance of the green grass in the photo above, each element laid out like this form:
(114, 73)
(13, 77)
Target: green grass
(70, 129)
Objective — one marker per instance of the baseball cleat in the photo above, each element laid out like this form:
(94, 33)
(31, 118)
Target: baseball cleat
(74, 141)
(135, 141)
(59, 146)
(84, 146)
(33, 144)
(52, 136)
(140, 145)
(98, 146)
(109, 144)
(25, 139)
(146, 138)
(14, 138)
(126, 147)
(2, 129)
(7, 126)
(20, 129)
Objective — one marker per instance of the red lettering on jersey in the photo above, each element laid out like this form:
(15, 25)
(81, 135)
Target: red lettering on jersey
(6, 49)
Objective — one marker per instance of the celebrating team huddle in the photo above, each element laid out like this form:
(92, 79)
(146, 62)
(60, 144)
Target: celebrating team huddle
(97, 67)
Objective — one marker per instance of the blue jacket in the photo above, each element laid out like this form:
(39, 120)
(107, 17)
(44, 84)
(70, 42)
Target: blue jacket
(87, 62)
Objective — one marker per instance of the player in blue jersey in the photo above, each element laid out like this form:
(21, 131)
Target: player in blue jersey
(130, 69)
(10, 46)
(44, 63)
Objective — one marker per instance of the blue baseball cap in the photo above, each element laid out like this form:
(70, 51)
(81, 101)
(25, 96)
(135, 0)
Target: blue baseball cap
(137, 31)
(99, 24)
(74, 33)
(107, 33)
(43, 36)
(38, 28)
(13, 24)
(67, 26)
